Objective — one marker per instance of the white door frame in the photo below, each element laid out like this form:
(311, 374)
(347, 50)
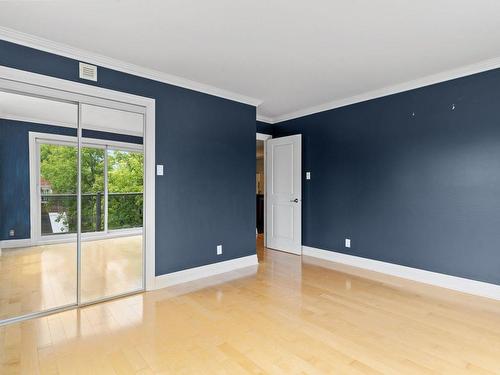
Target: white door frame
(292, 199)
(16, 80)
(264, 137)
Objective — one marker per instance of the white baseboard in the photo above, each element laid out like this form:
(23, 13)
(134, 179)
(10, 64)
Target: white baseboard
(68, 238)
(9, 244)
(460, 284)
(196, 273)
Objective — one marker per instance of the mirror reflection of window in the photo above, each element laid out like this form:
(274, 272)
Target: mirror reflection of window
(126, 187)
(58, 203)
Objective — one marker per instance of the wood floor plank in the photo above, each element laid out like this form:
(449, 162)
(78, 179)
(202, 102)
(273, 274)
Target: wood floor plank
(288, 317)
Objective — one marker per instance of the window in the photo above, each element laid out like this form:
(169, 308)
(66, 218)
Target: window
(111, 184)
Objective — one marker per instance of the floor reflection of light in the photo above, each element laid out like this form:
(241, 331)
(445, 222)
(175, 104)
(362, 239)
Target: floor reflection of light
(44, 277)
(219, 295)
(112, 317)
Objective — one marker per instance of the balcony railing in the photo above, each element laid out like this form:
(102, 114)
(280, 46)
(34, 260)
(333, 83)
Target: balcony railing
(59, 212)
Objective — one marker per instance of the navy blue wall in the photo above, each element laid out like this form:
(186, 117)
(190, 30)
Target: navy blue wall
(421, 191)
(14, 170)
(264, 128)
(207, 144)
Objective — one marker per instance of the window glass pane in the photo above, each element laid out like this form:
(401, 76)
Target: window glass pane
(92, 189)
(125, 185)
(58, 203)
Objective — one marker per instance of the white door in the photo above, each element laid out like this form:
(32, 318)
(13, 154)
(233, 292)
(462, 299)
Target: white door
(284, 194)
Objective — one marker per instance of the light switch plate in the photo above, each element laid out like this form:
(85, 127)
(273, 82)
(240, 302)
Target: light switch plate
(219, 249)
(347, 242)
(159, 169)
(308, 175)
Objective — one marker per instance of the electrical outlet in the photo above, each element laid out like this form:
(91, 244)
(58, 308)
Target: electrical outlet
(347, 242)
(12, 233)
(308, 175)
(219, 249)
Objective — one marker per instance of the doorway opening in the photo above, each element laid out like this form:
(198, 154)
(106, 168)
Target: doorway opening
(260, 191)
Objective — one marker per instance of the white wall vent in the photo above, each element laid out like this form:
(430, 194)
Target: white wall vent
(88, 71)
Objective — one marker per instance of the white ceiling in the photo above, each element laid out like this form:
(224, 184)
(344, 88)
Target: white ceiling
(290, 54)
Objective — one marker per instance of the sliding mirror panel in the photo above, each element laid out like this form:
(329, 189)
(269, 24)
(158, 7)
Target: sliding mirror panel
(38, 205)
(112, 182)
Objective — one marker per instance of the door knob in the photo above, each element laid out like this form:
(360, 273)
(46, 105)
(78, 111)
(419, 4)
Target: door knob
(296, 200)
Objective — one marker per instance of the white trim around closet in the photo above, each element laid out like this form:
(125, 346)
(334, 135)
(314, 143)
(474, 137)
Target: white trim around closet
(45, 86)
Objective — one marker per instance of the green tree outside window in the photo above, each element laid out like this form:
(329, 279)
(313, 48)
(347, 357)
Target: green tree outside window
(58, 170)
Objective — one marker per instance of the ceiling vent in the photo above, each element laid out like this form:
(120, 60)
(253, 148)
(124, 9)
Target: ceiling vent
(88, 71)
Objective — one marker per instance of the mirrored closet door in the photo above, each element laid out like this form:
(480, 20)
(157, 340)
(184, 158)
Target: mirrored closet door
(38, 204)
(71, 202)
(112, 166)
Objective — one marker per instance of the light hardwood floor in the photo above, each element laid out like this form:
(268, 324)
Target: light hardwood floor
(284, 317)
(44, 277)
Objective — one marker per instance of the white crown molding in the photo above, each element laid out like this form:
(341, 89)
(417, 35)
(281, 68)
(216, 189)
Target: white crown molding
(460, 284)
(266, 119)
(208, 270)
(61, 49)
(389, 90)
